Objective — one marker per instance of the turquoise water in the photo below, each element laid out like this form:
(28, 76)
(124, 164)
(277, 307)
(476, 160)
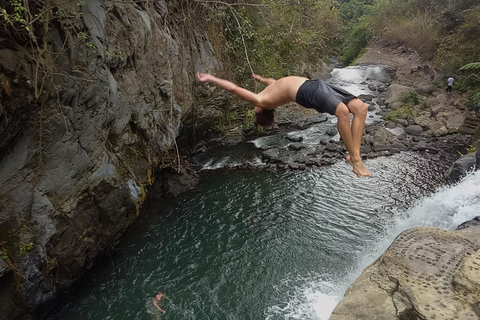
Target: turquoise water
(256, 245)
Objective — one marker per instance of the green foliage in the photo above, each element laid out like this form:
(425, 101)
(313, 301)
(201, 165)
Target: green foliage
(409, 97)
(446, 31)
(4, 254)
(51, 264)
(275, 38)
(249, 120)
(474, 100)
(26, 247)
(356, 41)
(463, 45)
(401, 112)
(472, 66)
(15, 17)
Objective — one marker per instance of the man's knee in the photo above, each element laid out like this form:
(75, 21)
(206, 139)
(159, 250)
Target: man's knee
(358, 108)
(342, 112)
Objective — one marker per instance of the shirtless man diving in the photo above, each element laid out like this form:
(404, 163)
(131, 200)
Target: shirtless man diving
(314, 94)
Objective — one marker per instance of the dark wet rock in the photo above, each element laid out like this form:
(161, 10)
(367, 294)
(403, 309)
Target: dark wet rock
(332, 131)
(317, 119)
(365, 97)
(471, 223)
(323, 142)
(398, 147)
(296, 166)
(294, 138)
(414, 130)
(381, 147)
(365, 149)
(416, 139)
(461, 167)
(402, 122)
(381, 88)
(373, 127)
(296, 146)
(332, 147)
(372, 87)
(272, 155)
(382, 136)
(319, 149)
(420, 146)
(390, 125)
(371, 107)
(328, 160)
(301, 159)
(314, 162)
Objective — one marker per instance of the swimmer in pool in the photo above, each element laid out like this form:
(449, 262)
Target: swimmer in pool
(157, 297)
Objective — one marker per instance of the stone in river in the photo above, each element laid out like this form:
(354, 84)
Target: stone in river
(415, 130)
(296, 146)
(332, 131)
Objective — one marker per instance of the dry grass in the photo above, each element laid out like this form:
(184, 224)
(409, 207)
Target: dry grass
(420, 33)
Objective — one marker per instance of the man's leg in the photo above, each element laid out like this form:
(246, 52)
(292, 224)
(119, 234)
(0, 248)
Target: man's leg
(352, 134)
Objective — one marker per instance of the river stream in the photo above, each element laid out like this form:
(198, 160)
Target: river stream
(264, 244)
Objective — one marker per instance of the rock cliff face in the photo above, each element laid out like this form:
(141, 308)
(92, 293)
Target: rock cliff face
(427, 273)
(75, 164)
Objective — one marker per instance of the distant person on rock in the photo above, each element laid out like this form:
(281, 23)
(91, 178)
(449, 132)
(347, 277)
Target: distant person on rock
(157, 297)
(314, 94)
(450, 82)
(476, 109)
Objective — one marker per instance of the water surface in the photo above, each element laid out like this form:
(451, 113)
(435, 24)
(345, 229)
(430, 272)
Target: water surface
(266, 245)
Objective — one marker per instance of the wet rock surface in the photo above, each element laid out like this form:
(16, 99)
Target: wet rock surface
(427, 273)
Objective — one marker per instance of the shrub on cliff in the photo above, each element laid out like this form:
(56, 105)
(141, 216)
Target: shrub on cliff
(462, 46)
(274, 38)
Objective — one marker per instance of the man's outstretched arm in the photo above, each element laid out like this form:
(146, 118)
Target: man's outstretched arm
(267, 81)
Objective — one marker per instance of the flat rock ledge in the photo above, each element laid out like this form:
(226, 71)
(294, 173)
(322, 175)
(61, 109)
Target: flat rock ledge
(427, 273)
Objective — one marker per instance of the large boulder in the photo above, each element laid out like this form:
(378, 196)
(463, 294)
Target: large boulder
(414, 129)
(462, 166)
(395, 92)
(427, 273)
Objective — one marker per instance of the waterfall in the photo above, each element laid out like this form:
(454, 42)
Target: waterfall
(447, 208)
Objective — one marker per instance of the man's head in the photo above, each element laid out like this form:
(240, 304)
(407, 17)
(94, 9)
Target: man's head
(158, 296)
(264, 117)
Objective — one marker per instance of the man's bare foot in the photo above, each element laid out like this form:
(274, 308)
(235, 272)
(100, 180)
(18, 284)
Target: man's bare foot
(359, 169)
(349, 160)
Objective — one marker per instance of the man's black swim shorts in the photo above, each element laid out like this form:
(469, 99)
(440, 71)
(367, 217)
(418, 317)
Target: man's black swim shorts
(321, 96)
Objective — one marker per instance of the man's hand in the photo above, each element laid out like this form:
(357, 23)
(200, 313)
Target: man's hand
(203, 77)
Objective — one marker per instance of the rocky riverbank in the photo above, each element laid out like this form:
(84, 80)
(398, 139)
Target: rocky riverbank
(426, 273)
(408, 111)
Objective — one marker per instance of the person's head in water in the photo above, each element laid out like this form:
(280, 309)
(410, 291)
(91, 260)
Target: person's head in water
(158, 296)
(264, 117)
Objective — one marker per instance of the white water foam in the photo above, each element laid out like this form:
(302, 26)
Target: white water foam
(447, 208)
